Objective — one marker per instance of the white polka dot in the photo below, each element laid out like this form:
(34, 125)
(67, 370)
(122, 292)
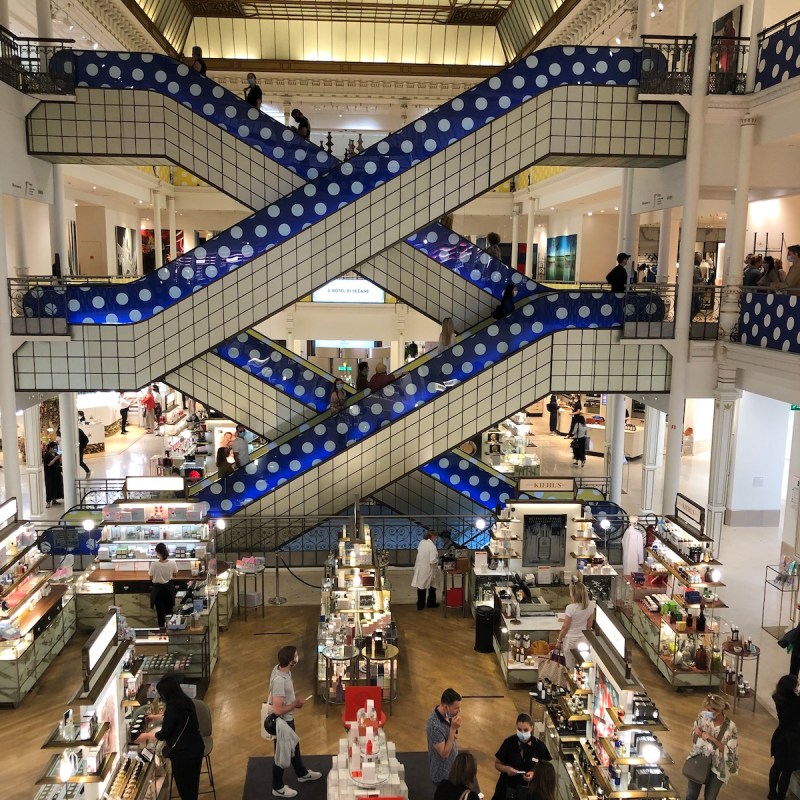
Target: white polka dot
(601, 67)
(145, 295)
(541, 81)
(554, 69)
(92, 69)
(135, 315)
(174, 292)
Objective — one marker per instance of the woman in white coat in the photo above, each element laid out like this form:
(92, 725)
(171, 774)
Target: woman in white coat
(426, 571)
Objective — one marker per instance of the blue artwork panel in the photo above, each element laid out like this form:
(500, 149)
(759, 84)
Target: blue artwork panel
(770, 320)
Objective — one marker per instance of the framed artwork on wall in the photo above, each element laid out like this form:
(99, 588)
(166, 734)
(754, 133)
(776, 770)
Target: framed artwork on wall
(125, 241)
(561, 258)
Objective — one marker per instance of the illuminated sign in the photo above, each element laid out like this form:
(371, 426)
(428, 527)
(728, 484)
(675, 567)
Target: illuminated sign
(546, 484)
(348, 290)
(610, 631)
(156, 484)
(8, 511)
(94, 651)
(346, 344)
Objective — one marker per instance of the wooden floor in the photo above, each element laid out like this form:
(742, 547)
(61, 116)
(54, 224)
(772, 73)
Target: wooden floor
(435, 653)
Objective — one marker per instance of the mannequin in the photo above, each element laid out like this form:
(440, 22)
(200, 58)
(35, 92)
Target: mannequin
(632, 547)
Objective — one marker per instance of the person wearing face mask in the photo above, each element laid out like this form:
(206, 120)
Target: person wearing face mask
(284, 703)
(240, 450)
(792, 281)
(252, 94)
(338, 396)
(516, 759)
(441, 731)
(714, 734)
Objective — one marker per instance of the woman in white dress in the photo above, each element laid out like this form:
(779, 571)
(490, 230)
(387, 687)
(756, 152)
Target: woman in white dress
(426, 571)
(578, 617)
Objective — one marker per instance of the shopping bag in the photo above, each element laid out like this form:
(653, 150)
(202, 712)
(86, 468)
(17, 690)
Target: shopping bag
(268, 721)
(697, 767)
(557, 655)
(552, 671)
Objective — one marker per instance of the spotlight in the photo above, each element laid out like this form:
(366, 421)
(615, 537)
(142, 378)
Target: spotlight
(88, 524)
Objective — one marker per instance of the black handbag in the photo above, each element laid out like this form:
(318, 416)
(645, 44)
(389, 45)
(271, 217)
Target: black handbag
(271, 724)
(166, 749)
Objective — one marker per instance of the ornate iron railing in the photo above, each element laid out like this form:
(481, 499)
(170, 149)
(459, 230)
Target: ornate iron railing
(27, 64)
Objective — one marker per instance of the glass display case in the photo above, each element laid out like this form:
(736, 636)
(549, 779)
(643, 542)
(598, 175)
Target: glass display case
(354, 613)
(37, 613)
(781, 583)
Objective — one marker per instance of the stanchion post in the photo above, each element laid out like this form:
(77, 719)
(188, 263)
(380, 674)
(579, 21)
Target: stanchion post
(277, 600)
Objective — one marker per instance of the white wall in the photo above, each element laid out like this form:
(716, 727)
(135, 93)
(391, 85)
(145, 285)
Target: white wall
(773, 218)
(27, 245)
(699, 417)
(93, 238)
(597, 246)
(759, 462)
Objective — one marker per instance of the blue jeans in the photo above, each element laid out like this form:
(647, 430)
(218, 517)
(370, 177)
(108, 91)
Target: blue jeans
(298, 766)
(713, 785)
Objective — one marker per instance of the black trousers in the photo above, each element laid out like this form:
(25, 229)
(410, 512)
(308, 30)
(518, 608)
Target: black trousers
(162, 599)
(186, 774)
(81, 451)
(123, 412)
(794, 663)
(298, 766)
(431, 596)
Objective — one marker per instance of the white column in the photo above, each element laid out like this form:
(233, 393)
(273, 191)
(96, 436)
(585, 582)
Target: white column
(44, 22)
(21, 266)
(8, 400)
(155, 195)
(756, 24)
(652, 455)
(626, 224)
(5, 20)
(642, 18)
(531, 233)
(515, 212)
(615, 434)
(680, 348)
(173, 233)
(59, 219)
(68, 421)
(791, 511)
(736, 231)
(664, 242)
(32, 428)
(726, 396)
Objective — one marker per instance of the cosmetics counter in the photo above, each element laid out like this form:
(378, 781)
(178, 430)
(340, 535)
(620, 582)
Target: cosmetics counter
(671, 608)
(524, 575)
(92, 754)
(600, 727)
(37, 607)
(357, 639)
(509, 448)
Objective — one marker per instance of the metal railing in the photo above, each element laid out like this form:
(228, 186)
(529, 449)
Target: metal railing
(27, 64)
(668, 61)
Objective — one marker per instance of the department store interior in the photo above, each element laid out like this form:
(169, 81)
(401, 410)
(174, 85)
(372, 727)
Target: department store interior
(319, 299)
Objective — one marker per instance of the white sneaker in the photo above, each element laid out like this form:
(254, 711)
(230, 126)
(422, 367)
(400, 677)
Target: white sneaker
(311, 775)
(287, 791)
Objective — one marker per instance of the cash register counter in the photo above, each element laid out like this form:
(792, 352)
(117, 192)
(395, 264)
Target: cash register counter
(540, 626)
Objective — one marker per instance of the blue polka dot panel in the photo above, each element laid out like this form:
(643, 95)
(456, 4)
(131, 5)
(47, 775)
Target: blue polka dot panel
(472, 478)
(279, 368)
(770, 320)
(315, 442)
(779, 55)
(332, 190)
(470, 262)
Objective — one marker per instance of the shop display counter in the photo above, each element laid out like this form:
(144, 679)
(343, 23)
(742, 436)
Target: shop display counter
(633, 441)
(377, 773)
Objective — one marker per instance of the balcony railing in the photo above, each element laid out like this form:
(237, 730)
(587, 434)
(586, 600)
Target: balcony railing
(777, 56)
(26, 64)
(668, 61)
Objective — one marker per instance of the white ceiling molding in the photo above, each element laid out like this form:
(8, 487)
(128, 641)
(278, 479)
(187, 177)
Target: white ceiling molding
(595, 23)
(109, 23)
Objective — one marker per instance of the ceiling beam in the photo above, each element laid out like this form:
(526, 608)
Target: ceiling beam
(347, 67)
(558, 16)
(150, 27)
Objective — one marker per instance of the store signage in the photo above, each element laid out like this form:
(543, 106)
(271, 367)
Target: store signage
(95, 649)
(345, 344)
(794, 407)
(689, 509)
(8, 511)
(348, 290)
(546, 484)
(611, 633)
(155, 484)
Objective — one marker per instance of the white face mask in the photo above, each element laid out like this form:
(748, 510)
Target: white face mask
(709, 714)
(295, 661)
(523, 736)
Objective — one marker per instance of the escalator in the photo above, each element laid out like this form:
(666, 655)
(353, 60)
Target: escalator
(352, 213)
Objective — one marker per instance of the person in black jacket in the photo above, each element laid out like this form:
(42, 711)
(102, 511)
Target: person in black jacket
(516, 760)
(462, 782)
(83, 443)
(618, 277)
(181, 732)
(253, 94)
(785, 744)
(552, 408)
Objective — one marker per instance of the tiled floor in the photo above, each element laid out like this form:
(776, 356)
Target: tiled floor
(745, 551)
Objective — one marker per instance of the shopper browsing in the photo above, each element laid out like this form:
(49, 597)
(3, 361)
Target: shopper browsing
(338, 397)
(516, 760)
(543, 785)
(426, 571)
(578, 618)
(552, 410)
(162, 592)
(785, 744)
(714, 735)
(362, 377)
(441, 731)
(578, 442)
(461, 783)
(284, 704)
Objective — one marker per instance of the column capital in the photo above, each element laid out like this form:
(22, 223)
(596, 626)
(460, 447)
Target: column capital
(748, 120)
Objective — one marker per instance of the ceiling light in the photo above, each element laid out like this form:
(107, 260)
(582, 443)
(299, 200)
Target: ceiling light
(589, 214)
(617, 40)
(616, 208)
(652, 13)
(660, 6)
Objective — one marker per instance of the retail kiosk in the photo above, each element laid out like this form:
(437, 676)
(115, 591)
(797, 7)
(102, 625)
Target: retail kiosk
(37, 608)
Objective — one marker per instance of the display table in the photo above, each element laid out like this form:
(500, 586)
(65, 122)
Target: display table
(96, 432)
(633, 440)
(254, 599)
(450, 576)
(388, 655)
(339, 660)
(100, 406)
(739, 660)
(389, 778)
